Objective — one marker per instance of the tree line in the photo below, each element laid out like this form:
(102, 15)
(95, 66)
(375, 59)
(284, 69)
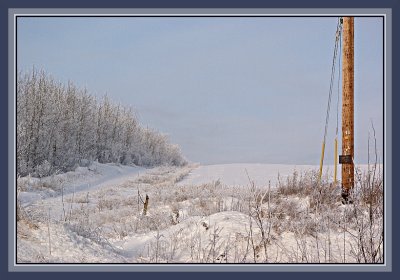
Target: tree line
(60, 126)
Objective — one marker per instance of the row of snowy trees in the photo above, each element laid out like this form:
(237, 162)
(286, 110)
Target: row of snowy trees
(61, 126)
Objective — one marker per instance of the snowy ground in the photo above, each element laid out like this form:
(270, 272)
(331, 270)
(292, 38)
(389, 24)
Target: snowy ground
(196, 214)
(239, 174)
(261, 174)
(55, 191)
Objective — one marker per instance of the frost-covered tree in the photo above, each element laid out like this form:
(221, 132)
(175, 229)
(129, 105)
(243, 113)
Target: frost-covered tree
(60, 127)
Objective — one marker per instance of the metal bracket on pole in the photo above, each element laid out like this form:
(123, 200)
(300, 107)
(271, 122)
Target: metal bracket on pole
(345, 159)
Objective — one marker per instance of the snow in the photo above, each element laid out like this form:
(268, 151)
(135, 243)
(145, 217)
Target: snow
(78, 186)
(83, 189)
(229, 224)
(83, 179)
(196, 214)
(239, 174)
(235, 174)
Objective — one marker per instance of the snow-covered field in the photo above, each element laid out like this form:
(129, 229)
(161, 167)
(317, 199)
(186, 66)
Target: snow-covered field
(239, 174)
(196, 214)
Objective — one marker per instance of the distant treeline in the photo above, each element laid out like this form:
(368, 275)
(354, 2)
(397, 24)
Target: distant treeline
(62, 126)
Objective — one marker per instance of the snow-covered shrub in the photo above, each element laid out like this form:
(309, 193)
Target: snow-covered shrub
(43, 169)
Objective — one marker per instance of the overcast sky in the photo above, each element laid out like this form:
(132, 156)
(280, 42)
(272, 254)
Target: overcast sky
(226, 90)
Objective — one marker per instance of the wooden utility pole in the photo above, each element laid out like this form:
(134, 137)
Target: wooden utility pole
(347, 158)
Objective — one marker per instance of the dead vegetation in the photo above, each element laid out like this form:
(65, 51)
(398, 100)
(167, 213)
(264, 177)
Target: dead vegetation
(299, 220)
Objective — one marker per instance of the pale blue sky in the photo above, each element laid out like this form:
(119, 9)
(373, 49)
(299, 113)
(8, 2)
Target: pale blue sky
(226, 90)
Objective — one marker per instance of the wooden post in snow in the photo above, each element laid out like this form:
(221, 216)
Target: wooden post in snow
(145, 205)
(347, 158)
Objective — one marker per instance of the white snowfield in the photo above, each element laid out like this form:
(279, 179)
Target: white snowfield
(195, 214)
(240, 174)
